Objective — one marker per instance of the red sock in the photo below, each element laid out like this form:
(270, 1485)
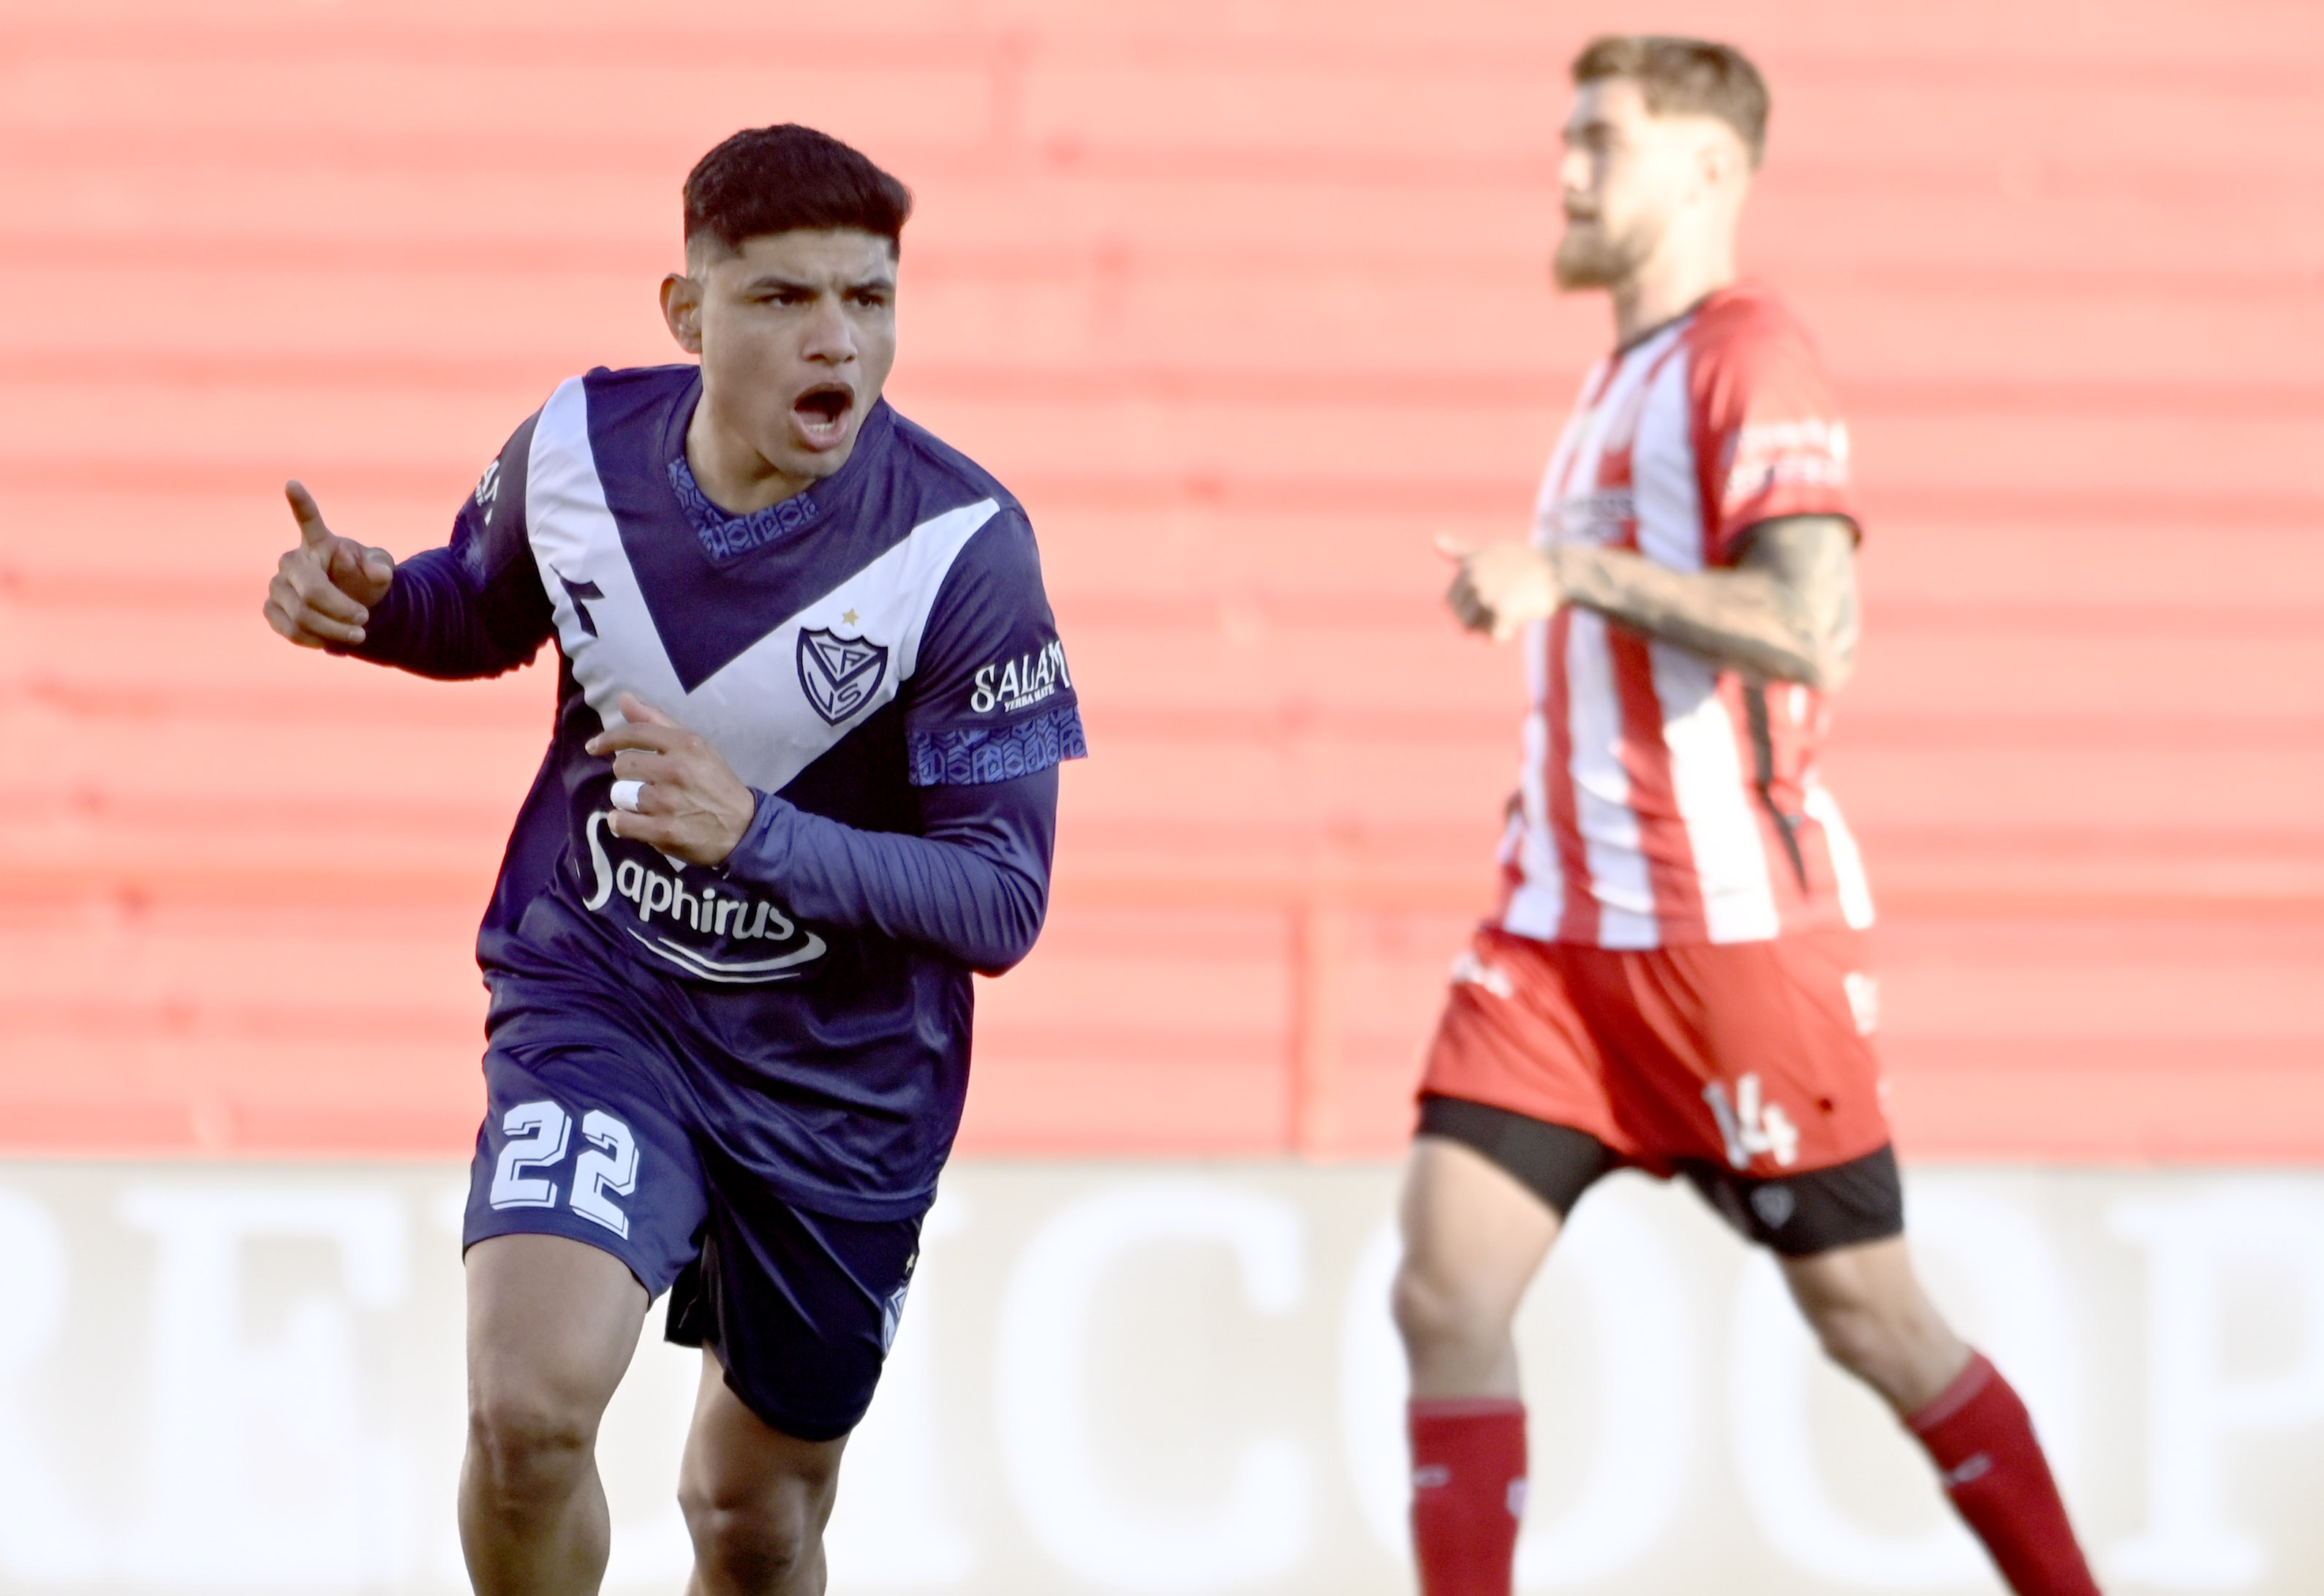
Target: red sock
(1468, 1487)
(1982, 1441)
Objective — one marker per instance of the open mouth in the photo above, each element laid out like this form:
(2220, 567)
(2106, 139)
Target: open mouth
(821, 414)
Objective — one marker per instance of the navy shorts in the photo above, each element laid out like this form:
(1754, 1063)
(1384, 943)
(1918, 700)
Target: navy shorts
(586, 1136)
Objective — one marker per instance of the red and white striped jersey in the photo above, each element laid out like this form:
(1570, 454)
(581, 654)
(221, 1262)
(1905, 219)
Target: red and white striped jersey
(1664, 800)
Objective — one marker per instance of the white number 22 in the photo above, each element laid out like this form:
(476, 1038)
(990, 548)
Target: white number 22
(551, 1128)
(537, 1136)
(611, 1165)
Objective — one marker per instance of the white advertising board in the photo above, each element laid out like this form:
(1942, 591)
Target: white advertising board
(1152, 1378)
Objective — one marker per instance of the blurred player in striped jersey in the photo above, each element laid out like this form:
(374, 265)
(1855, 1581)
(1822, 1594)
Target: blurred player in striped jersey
(1675, 980)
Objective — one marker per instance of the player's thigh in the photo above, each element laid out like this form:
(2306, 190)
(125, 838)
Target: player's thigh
(1514, 1127)
(584, 1200)
(751, 1491)
(1867, 1277)
(799, 1308)
(580, 1141)
(552, 1325)
(1868, 1309)
(1474, 1236)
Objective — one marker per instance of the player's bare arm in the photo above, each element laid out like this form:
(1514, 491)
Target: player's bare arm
(1787, 612)
(687, 800)
(323, 589)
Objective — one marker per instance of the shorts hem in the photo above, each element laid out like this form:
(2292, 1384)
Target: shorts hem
(546, 1222)
(1806, 1212)
(812, 1428)
(1556, 1162)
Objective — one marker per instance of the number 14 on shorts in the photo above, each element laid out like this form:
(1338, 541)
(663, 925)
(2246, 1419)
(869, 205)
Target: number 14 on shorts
(539, 1134)
(1749, 1126)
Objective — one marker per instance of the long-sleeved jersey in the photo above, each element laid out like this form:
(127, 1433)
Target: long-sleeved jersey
(875, 657)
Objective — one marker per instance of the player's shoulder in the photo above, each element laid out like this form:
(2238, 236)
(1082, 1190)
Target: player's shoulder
(1748, 324)
(1746, 350)
(933, 477)
(660, 382)
(587, 409)
(1000, 562)
(614, 396)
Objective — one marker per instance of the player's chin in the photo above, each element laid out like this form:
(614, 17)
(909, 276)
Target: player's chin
(1587, 258)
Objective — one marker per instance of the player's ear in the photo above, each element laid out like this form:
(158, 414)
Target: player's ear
(1721, 158)
(681, 308)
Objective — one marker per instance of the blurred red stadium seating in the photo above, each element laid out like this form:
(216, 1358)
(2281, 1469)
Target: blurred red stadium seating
(1246, 300)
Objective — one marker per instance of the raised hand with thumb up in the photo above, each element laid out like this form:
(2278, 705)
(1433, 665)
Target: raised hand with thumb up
(323, 590)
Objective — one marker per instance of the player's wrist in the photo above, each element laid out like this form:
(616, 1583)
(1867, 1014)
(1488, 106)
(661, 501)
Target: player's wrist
(745, 860)
(1560, 564)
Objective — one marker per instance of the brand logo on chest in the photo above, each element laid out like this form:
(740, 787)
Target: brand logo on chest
(839, 674)
(725, 917)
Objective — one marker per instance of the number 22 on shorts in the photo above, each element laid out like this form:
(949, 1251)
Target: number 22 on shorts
(539, 1133)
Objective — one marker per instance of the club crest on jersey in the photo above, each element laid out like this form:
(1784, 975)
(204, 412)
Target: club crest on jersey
(839, 674)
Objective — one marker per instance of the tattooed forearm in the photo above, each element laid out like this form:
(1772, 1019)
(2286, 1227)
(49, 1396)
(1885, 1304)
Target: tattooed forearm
(1785, 613)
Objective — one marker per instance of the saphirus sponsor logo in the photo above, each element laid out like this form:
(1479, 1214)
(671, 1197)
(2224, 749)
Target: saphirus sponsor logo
(658, 890)
(1010, 685)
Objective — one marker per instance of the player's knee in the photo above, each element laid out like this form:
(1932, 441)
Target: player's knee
(1863, 1338)
(529, 1447)
(1431, 1310)
(749, 1540)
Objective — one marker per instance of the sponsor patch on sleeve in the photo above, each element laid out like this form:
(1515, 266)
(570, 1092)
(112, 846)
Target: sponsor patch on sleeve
(1007, 687)
(1769, 454)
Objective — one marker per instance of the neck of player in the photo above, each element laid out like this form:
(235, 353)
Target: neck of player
(1679, 275)
(736, 475)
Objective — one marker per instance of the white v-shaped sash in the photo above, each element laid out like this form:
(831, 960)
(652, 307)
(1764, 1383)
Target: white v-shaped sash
(756, 710)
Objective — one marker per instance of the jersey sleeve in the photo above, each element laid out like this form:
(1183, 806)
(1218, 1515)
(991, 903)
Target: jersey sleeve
(1769, 440)
(477, 606)
(991, 697)
(973, 887)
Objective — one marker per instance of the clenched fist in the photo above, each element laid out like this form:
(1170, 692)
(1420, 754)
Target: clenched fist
(323, 590)
(1502, 588)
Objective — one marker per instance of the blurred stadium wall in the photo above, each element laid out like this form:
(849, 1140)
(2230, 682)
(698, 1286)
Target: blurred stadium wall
(1246, 301)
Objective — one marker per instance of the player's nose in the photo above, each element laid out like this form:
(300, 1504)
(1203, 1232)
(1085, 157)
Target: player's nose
(830, 336)
(1573, 172)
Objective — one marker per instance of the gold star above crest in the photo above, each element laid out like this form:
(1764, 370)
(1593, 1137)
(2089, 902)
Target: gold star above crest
(848, 619)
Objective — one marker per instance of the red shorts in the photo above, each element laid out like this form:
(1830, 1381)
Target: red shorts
(1753, 1055)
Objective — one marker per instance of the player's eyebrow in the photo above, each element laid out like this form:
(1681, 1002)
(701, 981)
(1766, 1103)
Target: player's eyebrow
(773, 282)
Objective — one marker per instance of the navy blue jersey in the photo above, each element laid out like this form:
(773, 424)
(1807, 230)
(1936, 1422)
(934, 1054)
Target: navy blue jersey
(875, 658)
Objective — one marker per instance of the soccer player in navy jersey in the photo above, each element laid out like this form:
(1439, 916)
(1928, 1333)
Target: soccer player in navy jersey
(802, 781)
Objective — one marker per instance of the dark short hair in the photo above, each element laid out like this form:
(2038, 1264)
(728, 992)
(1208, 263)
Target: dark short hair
(779, 178)
(1685, 75)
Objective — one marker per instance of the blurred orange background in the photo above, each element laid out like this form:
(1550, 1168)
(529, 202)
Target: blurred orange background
(1246, 301)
